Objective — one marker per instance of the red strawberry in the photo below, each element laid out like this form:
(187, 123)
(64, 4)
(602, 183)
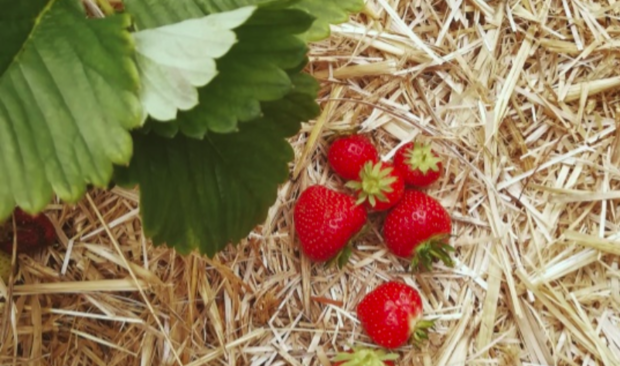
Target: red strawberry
(325, 221)
(347, 155)
(418, 163)
(419, 226)
(365, 357)
(391, 315)
(33, 232)
(379, 185)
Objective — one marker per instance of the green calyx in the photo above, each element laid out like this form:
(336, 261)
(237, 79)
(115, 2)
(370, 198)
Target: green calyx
(421, 157)
(342, 258)
(431, 251)
(365, 357)
(375, 181)
(420, 332)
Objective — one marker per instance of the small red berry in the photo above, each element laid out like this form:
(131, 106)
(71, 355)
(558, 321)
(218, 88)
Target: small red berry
(325, 221)
(418, 163)
(391, 315)
(347, 155)
(419, 226)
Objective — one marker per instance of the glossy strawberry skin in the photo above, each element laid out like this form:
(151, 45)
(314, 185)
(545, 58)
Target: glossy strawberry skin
(389, 314)
(415, 177)
(325, 221)
(33, 232)
(416, 219)
(347, 155)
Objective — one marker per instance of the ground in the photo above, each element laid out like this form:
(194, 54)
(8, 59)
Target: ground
(520, 99)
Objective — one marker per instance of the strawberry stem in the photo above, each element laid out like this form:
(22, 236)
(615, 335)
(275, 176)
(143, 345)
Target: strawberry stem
(421, 157)
(431, 251)
(365, 357)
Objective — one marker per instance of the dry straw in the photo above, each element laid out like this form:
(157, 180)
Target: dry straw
(520, 98)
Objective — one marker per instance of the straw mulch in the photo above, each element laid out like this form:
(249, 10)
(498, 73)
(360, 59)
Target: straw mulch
(520, 98)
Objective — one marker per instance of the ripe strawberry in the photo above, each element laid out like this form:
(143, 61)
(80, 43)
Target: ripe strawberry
(380, 186)
(5, 267)
(347, 155)
(391, 315)
(418, 163)
(33, 232)
(325, 221)
(365, 357)
(419, 226)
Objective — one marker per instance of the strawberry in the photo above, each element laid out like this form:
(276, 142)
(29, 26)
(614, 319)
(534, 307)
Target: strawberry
(418, 163)
(33, 232)
(391, 315)
(5, 266)
(365, 357)
(325, 221)
(347, 155)
(379, 186)
(419, 226)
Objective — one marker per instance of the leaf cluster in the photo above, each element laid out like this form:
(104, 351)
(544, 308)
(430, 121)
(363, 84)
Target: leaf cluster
(192, 100)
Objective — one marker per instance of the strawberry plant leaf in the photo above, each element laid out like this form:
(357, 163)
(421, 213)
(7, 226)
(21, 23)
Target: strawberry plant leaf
(299, 105)
(207, 193)
(253, 71)
(68, 97)
(177, 58)
(325, 12)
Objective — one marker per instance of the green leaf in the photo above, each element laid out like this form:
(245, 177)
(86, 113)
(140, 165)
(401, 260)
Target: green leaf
(207, 193)
(298, 106)
(327, 12)
(68, 96)
(253, 71)
(175, 59)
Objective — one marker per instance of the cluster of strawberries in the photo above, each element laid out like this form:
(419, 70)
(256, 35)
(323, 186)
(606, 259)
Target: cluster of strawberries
(416, 227)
